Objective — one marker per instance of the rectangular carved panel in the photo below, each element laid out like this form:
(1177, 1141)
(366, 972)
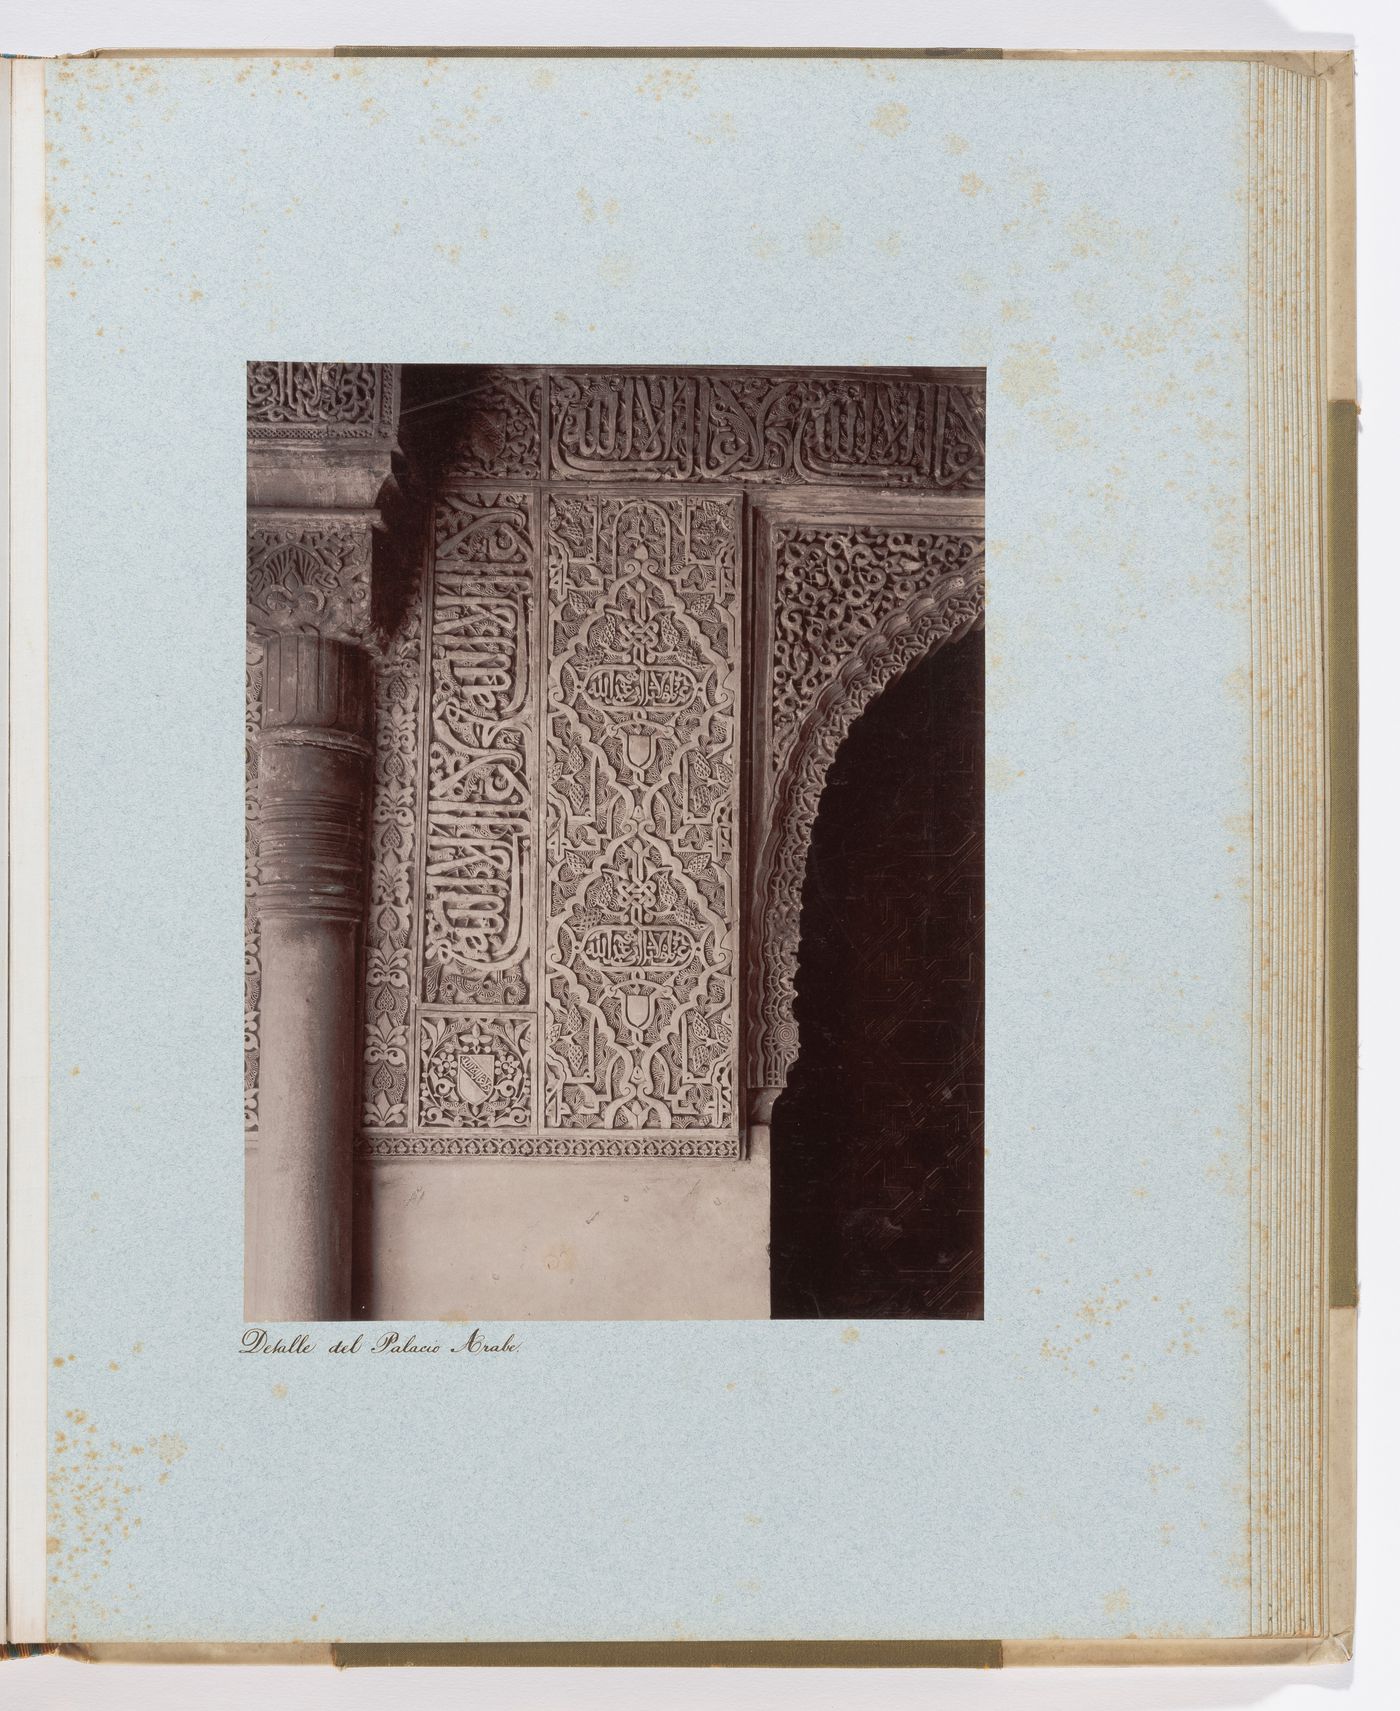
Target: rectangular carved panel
(552, 967)
(297, 402)
(252, 952)
(640, 1018)
(390, 922)
(764, 426)
(479, 890)
(476, 1070)
(756, 426)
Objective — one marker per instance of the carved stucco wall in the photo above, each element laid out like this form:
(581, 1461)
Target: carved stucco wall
(849, 603)
(594, 767)
(577, 700)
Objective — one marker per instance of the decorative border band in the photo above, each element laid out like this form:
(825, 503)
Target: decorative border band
(616, 1145)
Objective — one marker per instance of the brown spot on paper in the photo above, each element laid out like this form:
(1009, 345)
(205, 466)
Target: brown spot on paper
(1030, 372)
(617, 269)
(824, 237)
(891, 119)
(93, 1485)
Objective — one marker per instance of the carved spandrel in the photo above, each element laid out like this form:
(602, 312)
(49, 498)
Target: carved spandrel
(641, 887)
(870, 431)
(853, 607)
(498, 437)
(832, 586)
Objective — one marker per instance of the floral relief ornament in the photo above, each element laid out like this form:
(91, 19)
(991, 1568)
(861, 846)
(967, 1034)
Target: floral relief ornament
(475, 1070)
(309, 580)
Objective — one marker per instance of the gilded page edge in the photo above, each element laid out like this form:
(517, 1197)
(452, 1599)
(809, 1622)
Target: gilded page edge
(1342, 705)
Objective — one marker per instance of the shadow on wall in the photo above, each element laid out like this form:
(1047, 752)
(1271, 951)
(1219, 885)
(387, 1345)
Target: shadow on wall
(877, 1167)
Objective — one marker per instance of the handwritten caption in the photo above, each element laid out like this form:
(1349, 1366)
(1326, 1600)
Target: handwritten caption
(257, 1341)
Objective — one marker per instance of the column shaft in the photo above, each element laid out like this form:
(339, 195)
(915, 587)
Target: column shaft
(312, 812)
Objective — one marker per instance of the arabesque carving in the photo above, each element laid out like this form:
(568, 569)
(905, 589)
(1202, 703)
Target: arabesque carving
(310, 401)
(498, 436)
(554, 904)
(924, 614)
(833, 585)
(633, 1144)
(641, 881)
(252, 955)
(476, 1069)
(635, 1007)
(309, 575)
(393, 845)
(869, 430)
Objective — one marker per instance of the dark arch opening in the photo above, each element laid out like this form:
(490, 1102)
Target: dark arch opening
(877, 1164)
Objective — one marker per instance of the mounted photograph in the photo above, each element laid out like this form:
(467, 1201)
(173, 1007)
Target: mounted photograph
(614, 856)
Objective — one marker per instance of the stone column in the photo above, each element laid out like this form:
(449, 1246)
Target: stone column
(321, 444)
(760, 1128)
(312, 808)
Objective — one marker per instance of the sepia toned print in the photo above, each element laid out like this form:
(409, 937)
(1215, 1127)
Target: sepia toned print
(614, 842)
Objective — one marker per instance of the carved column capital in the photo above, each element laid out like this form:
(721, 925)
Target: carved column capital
(321, 445)
(309, 573)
